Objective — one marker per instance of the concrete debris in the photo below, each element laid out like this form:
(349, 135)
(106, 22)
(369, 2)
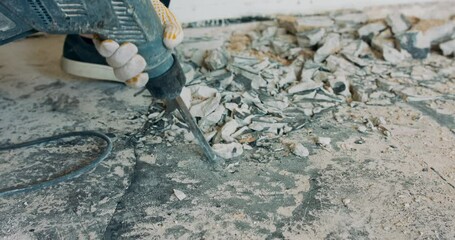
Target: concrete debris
(228, 151)
(438, 34)
(415, 43)
(448, 48)
(179, 194)
(358, 93)
(338, 65)
(266, 81)
(323, 141)
(398, 23)
(310, 38)
(228, 129)
(205, 107)
(379, 121)
(393, 56)
(216, 59)
(357, 48)
(367, 32)
(362, 129)
(346, 201)
(197, 57)
(331, 45)
(186, 96)
(308, 85)
(299, 150)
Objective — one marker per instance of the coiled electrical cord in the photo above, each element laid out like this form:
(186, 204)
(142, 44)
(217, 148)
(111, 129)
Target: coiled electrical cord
(67, 177)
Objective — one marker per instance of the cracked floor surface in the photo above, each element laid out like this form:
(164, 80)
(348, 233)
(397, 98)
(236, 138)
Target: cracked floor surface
(397, 187)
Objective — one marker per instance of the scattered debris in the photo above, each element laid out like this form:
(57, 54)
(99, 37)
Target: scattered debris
(268, 80)
(331, 45)
(310, 38)
(299, 150)
(398, 23)
(368, 31)
(323, 141)
(362, 129)
(448, 48)
(179, 194)
(228, 151)
(414, 43)
(216, 59)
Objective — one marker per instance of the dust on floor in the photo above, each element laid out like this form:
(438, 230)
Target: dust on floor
(379, 167)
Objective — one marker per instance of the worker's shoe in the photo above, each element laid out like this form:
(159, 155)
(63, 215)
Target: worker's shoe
(80, 58)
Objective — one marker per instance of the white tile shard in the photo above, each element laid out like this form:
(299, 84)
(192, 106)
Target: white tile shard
(216, 59)
(398, 23)
(323, 141)
(179, 195)
(310, 38)
(368, 31)
(228, 129)
(299, 150)
(331, 45)
(448, 48)
(228, 151)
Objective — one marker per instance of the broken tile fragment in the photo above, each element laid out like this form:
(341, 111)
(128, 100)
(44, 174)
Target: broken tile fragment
(203, 92)
(209, 100)
(392, 55)
(438, 34)
(266, 126)
(358, 93)
(179, 194)
(299, 150)
(398, 23)
(323, 141)
(310, 38)
(362, 129)
(331, 45)
(308, 85)
(414, 43)
(186, 96)
(379, 121)
(216, 59)
(228, 151)
(357, 48)
(213, 118)
(340, 65)
(368, 31)
(228, 129)
(448, 48)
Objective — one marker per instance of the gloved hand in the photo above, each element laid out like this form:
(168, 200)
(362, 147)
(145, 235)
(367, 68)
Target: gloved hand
(127, 63)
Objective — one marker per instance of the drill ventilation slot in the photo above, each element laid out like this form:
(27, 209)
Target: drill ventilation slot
(73, 8)
(38, 7)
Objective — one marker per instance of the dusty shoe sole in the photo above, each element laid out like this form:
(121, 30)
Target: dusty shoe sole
(88, 70)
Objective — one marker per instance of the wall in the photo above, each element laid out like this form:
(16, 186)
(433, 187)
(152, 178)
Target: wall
(198, 10)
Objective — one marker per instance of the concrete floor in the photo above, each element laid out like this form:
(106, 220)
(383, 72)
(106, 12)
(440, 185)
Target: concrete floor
(400, 187)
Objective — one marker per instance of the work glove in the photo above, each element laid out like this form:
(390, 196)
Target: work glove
(127, 63)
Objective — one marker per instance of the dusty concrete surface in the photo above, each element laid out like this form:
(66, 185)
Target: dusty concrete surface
(363, 185)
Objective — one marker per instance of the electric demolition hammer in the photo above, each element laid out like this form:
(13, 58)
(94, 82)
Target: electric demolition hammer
(132, 21)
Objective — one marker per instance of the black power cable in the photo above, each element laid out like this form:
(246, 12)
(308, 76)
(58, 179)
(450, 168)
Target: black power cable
(71, 175)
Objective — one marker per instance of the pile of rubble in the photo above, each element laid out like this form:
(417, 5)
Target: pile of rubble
(264, 83)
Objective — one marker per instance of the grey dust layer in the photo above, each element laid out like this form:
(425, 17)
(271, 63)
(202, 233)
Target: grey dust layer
(335, 126)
